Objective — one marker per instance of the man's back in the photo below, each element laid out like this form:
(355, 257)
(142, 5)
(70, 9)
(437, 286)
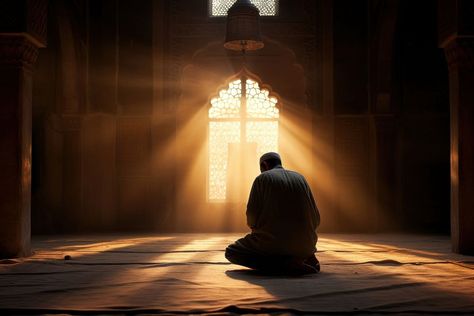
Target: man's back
(282, 214)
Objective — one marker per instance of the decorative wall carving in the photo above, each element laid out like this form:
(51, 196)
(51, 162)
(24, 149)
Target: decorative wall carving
(36, 17)
(25, 17)
(17, 50)
(300, 34)
(460, 53)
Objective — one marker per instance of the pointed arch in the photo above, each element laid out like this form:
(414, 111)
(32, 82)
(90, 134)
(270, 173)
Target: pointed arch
(243, 115)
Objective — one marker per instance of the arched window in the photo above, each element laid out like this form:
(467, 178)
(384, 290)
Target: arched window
(240, 129)
(266, 7)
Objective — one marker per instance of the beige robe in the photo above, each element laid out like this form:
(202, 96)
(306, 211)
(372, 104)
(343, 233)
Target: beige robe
(282, 214)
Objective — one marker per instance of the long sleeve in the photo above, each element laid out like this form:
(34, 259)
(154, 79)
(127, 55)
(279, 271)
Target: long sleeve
(315, 212)
(254, 205)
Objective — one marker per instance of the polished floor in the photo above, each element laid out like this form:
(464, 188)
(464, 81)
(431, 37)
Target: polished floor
(187, 273)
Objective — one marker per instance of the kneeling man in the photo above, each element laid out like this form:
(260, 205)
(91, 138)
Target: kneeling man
(283, 217)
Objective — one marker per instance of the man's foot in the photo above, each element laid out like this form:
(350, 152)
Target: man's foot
(297, 267)
(313, 262)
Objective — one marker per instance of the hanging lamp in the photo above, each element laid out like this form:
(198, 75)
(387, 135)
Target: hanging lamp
(243, 27)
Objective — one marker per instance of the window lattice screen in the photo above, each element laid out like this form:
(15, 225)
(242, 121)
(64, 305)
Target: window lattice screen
(266, 7)
(227, 119)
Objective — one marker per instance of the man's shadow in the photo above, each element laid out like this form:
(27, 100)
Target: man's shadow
(250, 275)
(287, 291)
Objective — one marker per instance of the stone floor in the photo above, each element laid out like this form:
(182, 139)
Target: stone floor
(187, 273)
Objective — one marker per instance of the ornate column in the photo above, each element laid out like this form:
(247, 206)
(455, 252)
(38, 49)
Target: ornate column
(22, 32)
(460, 55)
(456, 33)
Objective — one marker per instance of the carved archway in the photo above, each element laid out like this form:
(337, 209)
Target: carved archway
(243, 125)
(210, 70)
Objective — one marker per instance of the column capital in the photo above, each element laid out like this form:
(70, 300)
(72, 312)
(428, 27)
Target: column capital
(17, 50)
(460, 53)
(26, 18)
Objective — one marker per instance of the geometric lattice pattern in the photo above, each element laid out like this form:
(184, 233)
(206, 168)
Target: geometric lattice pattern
(227, 105)
(259, 104)
(266, 7)
(226, 124)
(220, 135)
(265, 134)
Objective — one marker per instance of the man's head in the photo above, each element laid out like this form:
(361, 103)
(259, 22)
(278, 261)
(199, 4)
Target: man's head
(269, 161)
